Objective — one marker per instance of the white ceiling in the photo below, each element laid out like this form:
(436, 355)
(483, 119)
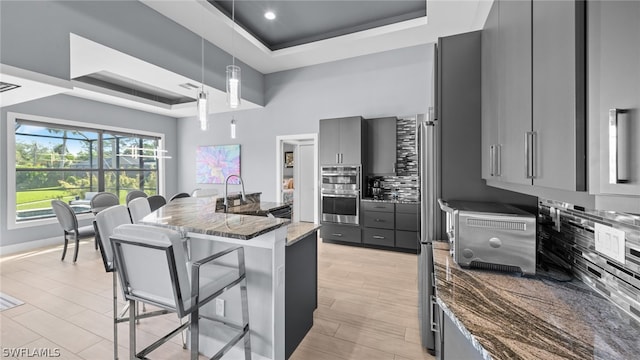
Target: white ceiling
(444, 17)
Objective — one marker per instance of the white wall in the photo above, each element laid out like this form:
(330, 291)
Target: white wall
(384, 84)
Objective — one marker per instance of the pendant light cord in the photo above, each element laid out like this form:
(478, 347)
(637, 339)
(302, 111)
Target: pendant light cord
(202, 60)
(233, 32)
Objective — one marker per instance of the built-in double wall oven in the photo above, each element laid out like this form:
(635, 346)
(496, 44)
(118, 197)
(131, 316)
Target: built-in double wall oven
(340, 193)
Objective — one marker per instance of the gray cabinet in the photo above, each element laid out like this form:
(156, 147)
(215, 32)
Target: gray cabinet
(533, 102)
(407, 226)
(343, 233)
(614, 83)
(378, 221)
(559, 123)
(391, 225)
(514, 87)
(340, 141)
(301, 290)
(454, 344)
(381, 146)
(491, 75)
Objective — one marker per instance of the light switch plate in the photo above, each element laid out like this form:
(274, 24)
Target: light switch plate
(610, 242)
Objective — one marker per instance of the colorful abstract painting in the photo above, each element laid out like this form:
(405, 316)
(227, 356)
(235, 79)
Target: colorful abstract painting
(215, 163)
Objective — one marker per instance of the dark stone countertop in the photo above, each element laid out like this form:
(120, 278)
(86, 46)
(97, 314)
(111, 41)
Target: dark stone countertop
(199, 215)
(507, 316)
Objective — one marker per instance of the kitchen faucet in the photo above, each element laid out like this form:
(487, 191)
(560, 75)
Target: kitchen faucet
(226, 183)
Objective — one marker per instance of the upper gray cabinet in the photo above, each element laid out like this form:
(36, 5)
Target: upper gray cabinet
(491, 74)
(533, 94)
(614, 103)
(559, 112)
(381, 146)
(340, 141)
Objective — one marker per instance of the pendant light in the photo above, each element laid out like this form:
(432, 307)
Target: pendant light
(233, 128)
(234, 77)
(202, 96)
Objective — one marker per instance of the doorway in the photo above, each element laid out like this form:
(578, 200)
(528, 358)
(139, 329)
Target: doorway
(297, 171)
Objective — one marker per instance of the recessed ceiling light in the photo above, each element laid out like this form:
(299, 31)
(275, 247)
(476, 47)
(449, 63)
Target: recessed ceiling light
(270, 15)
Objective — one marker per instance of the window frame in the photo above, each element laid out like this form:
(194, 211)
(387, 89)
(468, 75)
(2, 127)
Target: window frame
(12, 119)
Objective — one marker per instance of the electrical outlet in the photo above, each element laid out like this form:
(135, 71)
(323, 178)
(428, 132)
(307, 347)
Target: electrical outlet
(220, 307)
(610, 242)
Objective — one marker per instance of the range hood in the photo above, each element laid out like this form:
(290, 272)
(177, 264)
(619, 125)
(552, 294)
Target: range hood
(19, 85)
(104, 74)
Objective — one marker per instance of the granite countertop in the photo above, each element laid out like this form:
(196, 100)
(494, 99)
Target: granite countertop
(398, 201)
(258, 209)
(298, 230)
(511, 317)
(199, 215)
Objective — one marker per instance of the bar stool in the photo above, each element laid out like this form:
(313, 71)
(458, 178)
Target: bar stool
(153, 269)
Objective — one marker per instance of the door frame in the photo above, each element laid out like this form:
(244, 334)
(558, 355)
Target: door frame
(306, 138)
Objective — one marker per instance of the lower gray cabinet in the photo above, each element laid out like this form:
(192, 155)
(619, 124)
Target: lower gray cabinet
(382, 237)
(407, 226)
(455, 345)
(346, 233)
(407, 239)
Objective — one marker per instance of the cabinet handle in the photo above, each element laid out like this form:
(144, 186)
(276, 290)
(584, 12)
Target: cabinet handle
(618, 146)
(432, 313)
(337, 158)
(498, 157)
(341, 158)
(378, 220)
(338, 235)
(378, 237)
(492, 156)
(529, 152)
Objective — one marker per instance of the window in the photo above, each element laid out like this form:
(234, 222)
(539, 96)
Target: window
(57, 159)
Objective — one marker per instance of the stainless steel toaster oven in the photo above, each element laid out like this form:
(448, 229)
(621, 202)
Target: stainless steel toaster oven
(491, 236)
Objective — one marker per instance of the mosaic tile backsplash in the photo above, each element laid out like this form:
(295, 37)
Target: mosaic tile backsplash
(405, 185)
(566, 236)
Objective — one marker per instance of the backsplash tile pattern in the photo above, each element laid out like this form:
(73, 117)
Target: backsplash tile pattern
(406, 183)
(406, 143)
(574, 248)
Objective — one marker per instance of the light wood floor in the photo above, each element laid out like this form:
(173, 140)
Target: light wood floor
(367, 307)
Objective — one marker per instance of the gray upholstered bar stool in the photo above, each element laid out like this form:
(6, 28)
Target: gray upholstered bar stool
(153, 269)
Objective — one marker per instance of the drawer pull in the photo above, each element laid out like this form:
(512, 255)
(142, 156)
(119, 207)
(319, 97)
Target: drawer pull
(378, 237)
(338, 235)
(380, 207)
(379, 220)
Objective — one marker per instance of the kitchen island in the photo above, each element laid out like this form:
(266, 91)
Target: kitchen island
(264, 240)
(505, 316)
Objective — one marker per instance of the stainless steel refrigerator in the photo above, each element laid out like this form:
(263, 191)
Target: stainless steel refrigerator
(429, 158)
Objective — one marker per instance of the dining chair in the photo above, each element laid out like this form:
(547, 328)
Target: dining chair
(153, 269)
(134, 194)
(69, 223)
(204, 192)
(156, 202)
(139, 208)
(101, 201)
(179, 195)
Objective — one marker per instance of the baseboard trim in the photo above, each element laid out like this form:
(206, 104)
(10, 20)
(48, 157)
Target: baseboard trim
(30, 245)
